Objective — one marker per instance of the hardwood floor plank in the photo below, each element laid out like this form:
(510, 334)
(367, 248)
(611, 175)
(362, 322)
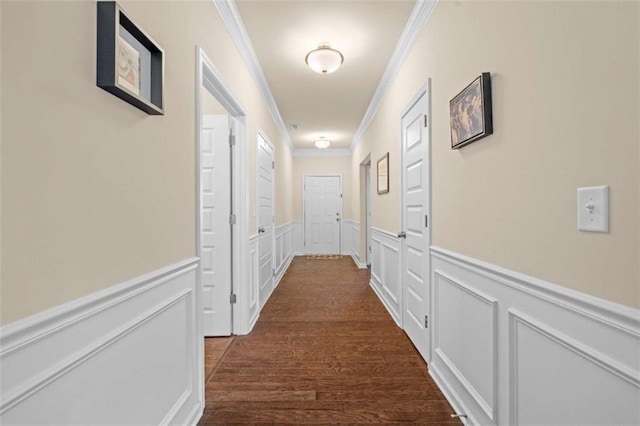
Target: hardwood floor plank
(324, 351)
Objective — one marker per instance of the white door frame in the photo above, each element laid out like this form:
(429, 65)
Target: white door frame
(264, 137)
(304, 211)
(423, 91)
(208, 76)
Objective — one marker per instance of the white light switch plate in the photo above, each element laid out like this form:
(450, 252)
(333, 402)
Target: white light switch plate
(593, 209)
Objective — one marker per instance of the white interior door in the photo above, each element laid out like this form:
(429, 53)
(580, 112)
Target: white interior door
(215, 232)
(323, 214)
(415, 210)
(265, 172)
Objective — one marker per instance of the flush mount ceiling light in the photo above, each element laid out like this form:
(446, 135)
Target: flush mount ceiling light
(324, 60)
(322, 143)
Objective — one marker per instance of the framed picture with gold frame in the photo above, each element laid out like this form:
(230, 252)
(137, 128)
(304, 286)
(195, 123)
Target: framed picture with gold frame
(383, 174)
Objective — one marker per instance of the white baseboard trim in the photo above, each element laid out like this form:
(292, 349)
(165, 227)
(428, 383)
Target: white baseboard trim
(557, 347)
(359, 264)
(75, 355)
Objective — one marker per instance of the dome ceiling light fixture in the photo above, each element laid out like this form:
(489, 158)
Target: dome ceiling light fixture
(322, 143)
(324, 59)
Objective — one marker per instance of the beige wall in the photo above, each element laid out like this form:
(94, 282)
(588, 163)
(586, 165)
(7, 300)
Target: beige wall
(321, 165)
(210, 105)
(565, 81)
(94, 191)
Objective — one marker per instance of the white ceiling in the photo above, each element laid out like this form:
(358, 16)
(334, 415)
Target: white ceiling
(333, 105)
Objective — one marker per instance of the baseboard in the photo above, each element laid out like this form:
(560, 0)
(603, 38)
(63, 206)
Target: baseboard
(74, 364)
(359, 264)
(538, 348)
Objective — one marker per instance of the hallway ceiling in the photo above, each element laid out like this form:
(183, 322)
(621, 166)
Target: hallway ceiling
(332, 105)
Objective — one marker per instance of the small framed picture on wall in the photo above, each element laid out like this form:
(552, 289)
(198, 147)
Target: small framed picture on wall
(383, 174)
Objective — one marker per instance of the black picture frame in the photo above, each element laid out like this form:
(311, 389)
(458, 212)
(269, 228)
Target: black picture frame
(470, 112)
(122, 45)
(382, 169)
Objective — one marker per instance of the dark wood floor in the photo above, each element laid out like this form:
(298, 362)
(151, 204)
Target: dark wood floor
(323, 351)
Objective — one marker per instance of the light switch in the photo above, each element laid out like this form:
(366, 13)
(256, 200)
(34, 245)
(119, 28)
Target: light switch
(593, 209)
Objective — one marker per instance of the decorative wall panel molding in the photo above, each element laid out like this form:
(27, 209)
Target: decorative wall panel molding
(98, 359)
(386, 279)
(508, 349)
(254, 281)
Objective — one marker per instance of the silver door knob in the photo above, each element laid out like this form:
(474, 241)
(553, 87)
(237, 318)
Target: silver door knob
(261, 230)
(402, 234)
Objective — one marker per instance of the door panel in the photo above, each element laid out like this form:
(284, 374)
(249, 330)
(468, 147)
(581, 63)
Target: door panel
(415, 207)
(215, 229)
(323, 214)
(265, 175)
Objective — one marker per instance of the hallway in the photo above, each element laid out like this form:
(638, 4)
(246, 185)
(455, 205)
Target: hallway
(323, 351)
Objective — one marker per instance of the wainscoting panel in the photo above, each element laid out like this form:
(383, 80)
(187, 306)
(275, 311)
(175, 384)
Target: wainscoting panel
(385, 271)
(284, 249)
(347, 240)
(126, 355)
(509, 349)
(298, 237)
(254, 282)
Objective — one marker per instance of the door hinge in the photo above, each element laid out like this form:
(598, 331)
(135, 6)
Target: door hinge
(232, 139)
(426, 321)
(426, 220)
(273, 271)
(273, 165)
(340, 195)
(233, 298)
(232, 219)
(425, 120)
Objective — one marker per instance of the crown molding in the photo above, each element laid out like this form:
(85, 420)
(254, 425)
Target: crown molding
(416, 22)
(232, 20)
(322, 152)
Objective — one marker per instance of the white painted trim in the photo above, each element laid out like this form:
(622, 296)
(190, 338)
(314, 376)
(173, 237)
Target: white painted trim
(522, 308)
(208, 76)
(386, 233)
(357, 261)
(232, 20)
(417, 20)
(490, 410)
(322, 153)
(385, 303)
(30, 330)
(625, 318)
(65, 346)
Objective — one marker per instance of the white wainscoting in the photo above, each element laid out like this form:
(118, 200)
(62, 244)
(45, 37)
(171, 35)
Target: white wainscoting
(129, 354)
(298, 237)
(386, 279)
(354, 235)
(254, 283)
(284, 252)
(508, 349)
(346, 240)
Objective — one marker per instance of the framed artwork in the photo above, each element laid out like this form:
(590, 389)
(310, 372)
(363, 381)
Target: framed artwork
(130, 65)
(383, 174)
(470, 112)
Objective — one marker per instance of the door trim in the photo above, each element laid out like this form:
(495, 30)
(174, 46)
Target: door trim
(424, 90)
(304, 212)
